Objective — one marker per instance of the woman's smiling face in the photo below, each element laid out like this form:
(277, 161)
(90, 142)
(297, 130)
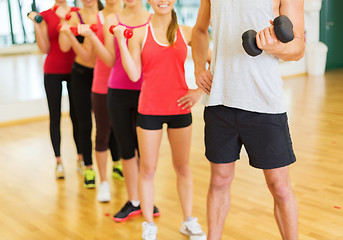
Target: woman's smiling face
(162, 6)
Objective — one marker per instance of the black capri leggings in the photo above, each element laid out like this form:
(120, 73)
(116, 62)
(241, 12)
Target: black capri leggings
(122, 107)
(53, 90)
(81, 85)
(104, 137)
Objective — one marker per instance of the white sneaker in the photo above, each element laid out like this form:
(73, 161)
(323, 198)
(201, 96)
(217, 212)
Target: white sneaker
(80, 166)
(59, 171)
(104, 194)
(193, 229)
(149, 231)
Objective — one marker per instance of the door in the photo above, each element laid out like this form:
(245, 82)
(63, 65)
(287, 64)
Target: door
(331, 31)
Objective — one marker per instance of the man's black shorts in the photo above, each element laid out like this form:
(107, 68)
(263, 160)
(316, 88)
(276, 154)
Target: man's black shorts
(266, 137)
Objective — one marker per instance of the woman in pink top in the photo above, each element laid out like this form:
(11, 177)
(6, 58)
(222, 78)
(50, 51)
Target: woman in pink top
(104, 135)
(159, 51)
(122, 102)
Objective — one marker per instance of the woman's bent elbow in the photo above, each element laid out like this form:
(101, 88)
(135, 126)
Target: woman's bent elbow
(44, 51)
(64, 49)
(135, 78)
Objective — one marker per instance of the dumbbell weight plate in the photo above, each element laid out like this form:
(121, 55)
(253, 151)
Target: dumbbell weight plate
(283, 28)
(249, 43)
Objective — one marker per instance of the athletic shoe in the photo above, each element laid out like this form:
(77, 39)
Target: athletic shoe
(149, 231)
(193, 229)
(59, 171)
(104, 194)
(89, 177)
(117, 171)
(156, 212)
(126, 212)
(80, 166)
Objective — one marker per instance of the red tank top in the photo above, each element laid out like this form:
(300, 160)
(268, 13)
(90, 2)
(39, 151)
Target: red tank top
(164, 76)
(56, 62)
(101, 71)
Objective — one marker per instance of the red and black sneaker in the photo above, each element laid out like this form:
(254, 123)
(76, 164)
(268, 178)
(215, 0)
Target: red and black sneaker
(126, 212)
(156, 212)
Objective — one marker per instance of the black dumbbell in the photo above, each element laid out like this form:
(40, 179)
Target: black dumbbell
(283, 28)
(38, 18)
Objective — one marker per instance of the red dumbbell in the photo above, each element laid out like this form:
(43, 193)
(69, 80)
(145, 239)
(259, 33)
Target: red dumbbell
(72, 9)
(68, 15)
(93, 27)
(74, 31)
(54, 8)
(128, 33)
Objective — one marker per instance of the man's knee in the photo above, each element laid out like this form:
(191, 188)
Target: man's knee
(281, 191)
(221, 180)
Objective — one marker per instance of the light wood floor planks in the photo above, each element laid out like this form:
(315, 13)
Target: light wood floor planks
(33, 205)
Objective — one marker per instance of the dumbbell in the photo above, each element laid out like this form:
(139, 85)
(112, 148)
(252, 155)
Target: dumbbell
(128, 33)
(74, 30)
(72, 9)
(38, 18)
(54, 8)
(283, 28)
(68, 15)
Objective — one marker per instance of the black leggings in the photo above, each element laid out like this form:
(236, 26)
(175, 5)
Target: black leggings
(122, 107)
(53, 90)
(81, 85)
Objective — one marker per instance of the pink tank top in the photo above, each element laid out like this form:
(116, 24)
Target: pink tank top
(164, 76)
(118, 78)
(101, 70)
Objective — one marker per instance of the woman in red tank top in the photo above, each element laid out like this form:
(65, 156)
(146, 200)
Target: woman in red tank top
(160, 51)
(57, 68)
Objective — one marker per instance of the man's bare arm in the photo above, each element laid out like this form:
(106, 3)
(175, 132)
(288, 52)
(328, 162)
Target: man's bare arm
(200, 45)
(294, 50)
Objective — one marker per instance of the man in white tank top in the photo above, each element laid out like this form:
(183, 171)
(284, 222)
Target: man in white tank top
(245, 103)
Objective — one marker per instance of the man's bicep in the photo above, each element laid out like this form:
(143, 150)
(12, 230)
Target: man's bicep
(294, 9)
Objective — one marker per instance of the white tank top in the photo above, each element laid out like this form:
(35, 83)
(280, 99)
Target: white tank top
(239, 80)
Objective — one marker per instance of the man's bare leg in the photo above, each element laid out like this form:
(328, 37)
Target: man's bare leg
(218, 198)
(285, 204)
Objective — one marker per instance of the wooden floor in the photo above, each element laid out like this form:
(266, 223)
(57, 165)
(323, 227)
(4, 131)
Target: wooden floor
(33, 205)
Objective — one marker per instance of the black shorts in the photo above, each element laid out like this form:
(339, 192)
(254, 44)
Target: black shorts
(266, 137)
(155, 122)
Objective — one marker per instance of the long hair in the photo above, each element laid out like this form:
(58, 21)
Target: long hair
(172, 28)
(100, 5)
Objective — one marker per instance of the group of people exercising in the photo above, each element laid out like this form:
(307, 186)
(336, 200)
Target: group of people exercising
(127, 66)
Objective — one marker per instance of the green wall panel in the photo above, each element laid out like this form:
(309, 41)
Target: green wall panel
(331, 31)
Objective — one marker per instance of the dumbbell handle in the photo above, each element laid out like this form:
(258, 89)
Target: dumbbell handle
(283, 29)
(74, 30)
(128, 33)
